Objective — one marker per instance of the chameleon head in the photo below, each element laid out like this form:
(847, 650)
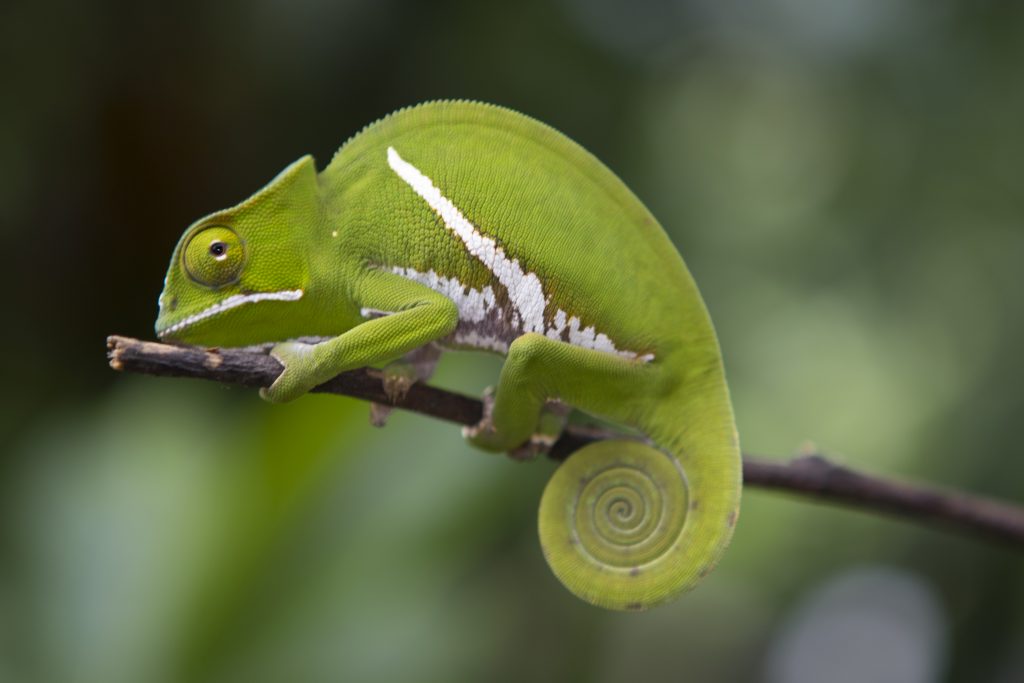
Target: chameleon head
(240, 273)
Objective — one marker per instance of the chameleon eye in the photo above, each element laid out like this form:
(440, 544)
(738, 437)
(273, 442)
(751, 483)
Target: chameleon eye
(214, 256)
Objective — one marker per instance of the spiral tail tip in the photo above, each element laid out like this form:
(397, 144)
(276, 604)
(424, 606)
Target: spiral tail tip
(619, 530)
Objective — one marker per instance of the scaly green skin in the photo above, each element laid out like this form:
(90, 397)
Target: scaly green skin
(465, 225)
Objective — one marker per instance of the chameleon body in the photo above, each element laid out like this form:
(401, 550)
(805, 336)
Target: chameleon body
(460, 225)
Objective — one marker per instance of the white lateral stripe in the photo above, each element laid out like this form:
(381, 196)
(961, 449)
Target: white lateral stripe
(525, 290)
(233, 301)
(473, 304)
(476, 307)
(265, 347)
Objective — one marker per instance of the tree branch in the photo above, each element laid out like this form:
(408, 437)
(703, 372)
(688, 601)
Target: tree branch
(812, 476)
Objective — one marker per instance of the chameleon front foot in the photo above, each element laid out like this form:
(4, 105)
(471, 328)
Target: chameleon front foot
(301, 372)
(398, 376)
(396, 379)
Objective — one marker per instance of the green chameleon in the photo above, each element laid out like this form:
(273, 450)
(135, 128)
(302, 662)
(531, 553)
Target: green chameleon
(459, 225)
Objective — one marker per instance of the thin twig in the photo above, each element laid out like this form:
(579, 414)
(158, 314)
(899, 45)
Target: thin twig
(810, 475)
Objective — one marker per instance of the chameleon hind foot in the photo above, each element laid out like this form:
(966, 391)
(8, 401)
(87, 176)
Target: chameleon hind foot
(553, 418)
(550, 425)
(481, 435)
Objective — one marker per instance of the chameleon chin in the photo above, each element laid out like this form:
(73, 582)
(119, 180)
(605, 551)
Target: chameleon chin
(460, 225)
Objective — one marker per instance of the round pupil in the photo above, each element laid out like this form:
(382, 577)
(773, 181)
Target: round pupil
(218, 248)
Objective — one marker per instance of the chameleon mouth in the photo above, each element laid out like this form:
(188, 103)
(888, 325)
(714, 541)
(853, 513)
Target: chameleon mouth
(227, 304)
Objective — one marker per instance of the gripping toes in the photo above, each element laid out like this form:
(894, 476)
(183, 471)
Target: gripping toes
(299, 375)
(396, 379)
(549, 428)
(487, 435)
(483, 435)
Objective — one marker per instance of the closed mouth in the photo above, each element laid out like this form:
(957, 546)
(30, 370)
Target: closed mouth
(233, 301)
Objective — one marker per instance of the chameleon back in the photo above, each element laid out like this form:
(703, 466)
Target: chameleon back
(548, 204)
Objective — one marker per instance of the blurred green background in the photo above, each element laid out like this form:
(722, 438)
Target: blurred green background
(844, 178)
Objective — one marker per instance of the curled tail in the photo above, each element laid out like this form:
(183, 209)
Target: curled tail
(625, 525)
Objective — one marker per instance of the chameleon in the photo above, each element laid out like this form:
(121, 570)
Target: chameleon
(459, 225)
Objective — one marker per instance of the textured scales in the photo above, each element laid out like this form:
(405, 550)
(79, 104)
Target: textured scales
(465, 225)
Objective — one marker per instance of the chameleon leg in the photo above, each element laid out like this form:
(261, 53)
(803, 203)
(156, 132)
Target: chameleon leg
(537, 369)
(623, 524)
(420, 316)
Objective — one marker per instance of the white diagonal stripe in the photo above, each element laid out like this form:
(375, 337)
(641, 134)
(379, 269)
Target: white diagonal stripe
(525, 290)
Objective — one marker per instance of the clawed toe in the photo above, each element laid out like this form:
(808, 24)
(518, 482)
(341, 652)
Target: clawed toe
(396, 386)
(379, 414)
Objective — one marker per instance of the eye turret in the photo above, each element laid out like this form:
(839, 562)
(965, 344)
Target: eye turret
(214, 256)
